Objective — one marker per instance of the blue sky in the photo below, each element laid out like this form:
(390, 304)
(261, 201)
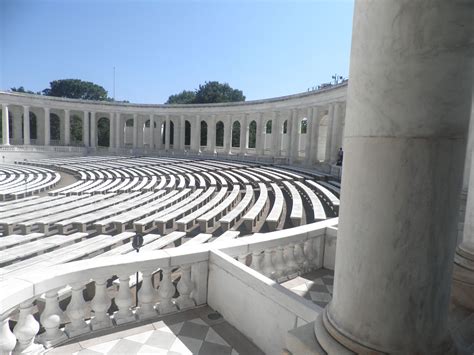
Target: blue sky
(266, 48)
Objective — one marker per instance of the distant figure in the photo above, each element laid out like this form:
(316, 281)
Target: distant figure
(340, 155)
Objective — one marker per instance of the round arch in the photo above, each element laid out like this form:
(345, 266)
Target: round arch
(236, 134)
(220, 134)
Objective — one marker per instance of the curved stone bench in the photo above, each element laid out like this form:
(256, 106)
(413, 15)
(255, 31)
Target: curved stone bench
(253, 215)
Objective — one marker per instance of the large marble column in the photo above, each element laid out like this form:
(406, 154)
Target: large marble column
(330, 122)
(228, 134)
(93, 138)
(314, 137)
(408, 107)
(309, 135)
(167, 133)
(5, 125)
(182, 133)
(211, 134)
(135, 130)
(152, 131)
(244, 134)
(67, 127)
(140, 123)
(260, 134)
(277, 134)
(119, 139)
(336, 134)
(47, 128)
(112, 129)
(196, 135)
(17, 130)
(26, 125)
(85, 129)
(295, 135)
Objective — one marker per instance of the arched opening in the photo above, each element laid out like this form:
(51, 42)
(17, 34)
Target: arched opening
(33, 126)
(252, 138)
(285, 127)
(54, 127)
(187, 133)
(171, 133)
(76, 129)
(236, 134)
(103, 132)
(268, 127)
(128, 132)
(219, 134)
(304, 126)
(203, 133)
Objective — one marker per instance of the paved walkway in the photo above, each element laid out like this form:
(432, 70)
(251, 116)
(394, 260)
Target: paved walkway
(316, 286)
(199, 331)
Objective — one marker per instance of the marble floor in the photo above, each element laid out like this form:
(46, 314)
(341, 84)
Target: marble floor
(316, 286)
(199, 331)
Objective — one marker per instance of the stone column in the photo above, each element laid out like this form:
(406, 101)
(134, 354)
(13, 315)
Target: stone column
(336, 134)
(67, 127)
(228, 135)
(135, 130)
(119, 141)
(152, 131)
(182, 132)
(244, 129)
(112, 129)
(47, 129)
(85, 129)
(5, 125)
(140, 124)
(277, 133)
(260, 135)
(167, 133)
(405, 142)
(327, 155)
(26, 125)
(93, 139)
(197, 134)
(309, 135)
(314, 137)
(211, 134)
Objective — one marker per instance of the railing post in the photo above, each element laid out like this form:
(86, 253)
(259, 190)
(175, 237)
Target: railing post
(76, 312)
(279, 262)
(291, 265)
(309, 253)
(50, 319)
(199, 275)
(7, 338)
(267, 268)
(299, 257)
(26, 329)
(123, 300)
(256, 261)
(185, 287)
(147, 296)
(165, 292)
(100, 305)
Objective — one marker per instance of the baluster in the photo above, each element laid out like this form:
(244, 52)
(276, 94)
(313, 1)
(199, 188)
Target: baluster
(147, 296)
(76, 312)
(26, 329)
(256, 261)
(300, 259)
(7, 338)
(100, 304)
(291, 265)
(123, 300)
(185, 287)
(165, 293)
(309, 254)
(51, 320)
(267, 268)
(279, 263)
(242, 259)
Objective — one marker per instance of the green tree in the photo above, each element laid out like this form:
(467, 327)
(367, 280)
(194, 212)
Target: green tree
(215, 92)
(76, 89)
(184, 97)
(210, 92)
(22, 90)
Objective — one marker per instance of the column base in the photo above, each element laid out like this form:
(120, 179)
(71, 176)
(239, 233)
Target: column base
(463, 276)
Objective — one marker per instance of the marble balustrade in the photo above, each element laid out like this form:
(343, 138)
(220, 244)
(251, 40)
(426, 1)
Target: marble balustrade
(279, 255)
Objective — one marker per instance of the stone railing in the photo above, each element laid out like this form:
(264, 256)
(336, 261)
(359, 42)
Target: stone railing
(279, 255)
(41, 148)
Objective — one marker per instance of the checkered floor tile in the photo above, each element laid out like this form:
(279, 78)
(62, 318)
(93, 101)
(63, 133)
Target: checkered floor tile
(316, 286)
(189, 337)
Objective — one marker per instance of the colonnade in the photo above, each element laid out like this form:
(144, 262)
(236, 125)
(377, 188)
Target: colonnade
(308, 133)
